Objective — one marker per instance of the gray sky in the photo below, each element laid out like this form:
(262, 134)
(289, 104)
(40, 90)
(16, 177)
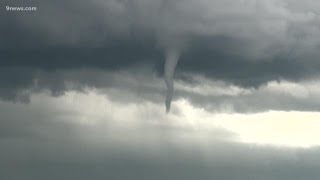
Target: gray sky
(82, 91)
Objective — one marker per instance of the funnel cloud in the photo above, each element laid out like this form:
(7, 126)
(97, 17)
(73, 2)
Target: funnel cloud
(171, 61)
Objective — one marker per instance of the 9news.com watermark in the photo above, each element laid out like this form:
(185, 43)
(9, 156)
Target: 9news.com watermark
(21, 8)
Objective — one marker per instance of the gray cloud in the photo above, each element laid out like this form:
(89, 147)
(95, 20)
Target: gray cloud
(236, 56)
(141, 84)
(36, 143)
(246, 43)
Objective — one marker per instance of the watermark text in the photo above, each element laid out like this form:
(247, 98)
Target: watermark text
(21, 8)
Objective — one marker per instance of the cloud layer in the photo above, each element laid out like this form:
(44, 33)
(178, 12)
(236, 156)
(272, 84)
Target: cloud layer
(82, 90)
(90, 135)
(246, 42)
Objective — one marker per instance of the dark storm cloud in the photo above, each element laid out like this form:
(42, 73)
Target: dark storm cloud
(111, 57)
(116, 46)
(219, 58)
(247, 43)
(133, 86)
(246, 30)
(19, 83)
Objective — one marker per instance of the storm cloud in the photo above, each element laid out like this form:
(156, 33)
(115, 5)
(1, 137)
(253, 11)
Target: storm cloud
(272, 38)
(82, 89)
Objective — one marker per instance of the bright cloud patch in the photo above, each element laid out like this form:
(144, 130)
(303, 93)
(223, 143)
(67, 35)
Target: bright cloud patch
(294, 129)
(101, 119)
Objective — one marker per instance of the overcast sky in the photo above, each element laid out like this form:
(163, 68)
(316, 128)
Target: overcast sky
(82, 90)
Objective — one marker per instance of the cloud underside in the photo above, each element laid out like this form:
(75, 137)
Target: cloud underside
(139, 84)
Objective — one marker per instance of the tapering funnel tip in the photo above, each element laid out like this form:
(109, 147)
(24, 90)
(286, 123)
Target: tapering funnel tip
(168, 104)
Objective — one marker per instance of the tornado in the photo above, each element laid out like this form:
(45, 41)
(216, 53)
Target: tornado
(171, 60)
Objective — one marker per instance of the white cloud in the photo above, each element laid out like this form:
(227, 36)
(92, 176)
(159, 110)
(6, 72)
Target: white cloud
(295, 90)
(102, 120)
(276, 128)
